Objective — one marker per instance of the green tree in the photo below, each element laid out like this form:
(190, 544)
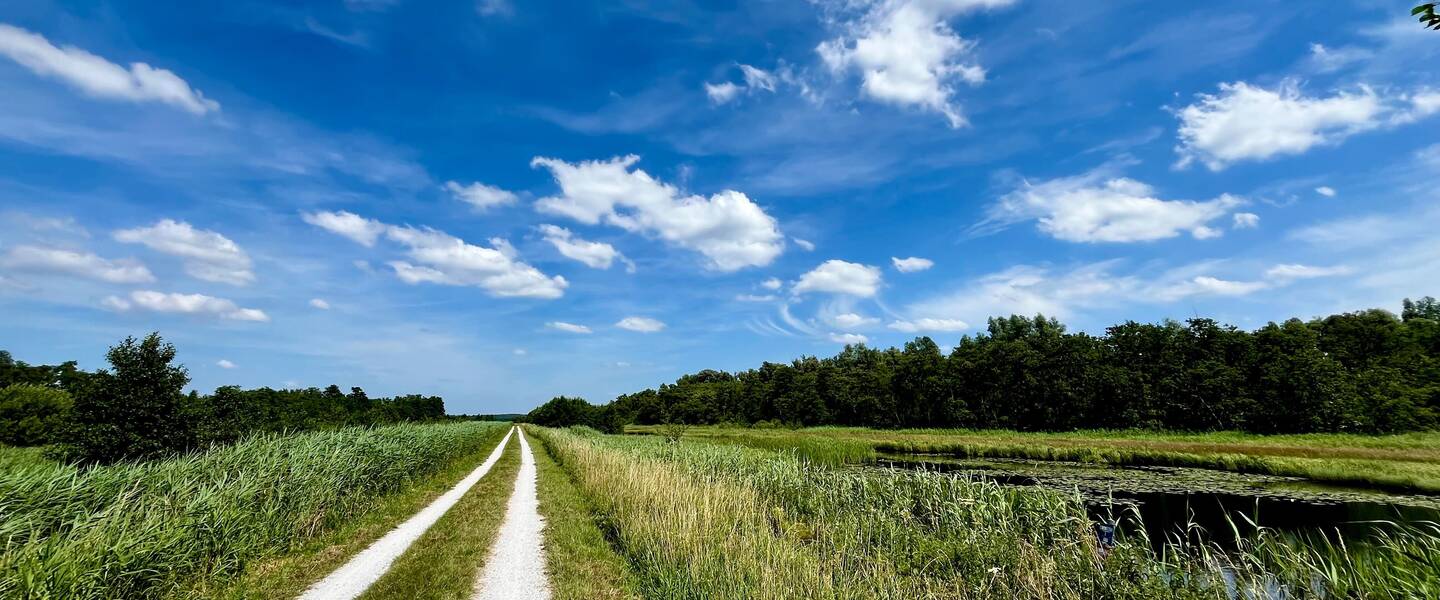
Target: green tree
(1426, 13)
(32, 415)
(134, 410)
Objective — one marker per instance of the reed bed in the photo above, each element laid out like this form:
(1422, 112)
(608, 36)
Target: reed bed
(706, 520)
(143, 530)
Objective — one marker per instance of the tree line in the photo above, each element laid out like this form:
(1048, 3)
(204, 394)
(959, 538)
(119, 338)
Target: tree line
(1369, 371)
(138, 408)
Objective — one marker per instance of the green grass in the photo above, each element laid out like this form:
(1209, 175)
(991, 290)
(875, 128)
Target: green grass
(701, 520)
(445, 561)
(1403, 463)
(161, 528)
(581, 563)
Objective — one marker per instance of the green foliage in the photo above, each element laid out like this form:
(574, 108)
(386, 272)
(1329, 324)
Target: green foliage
(1365, 372)
(1426, 13)
(569, 412)
(136, 411)
(32, 415)
(139, 529)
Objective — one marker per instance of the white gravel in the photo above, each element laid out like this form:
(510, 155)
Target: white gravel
(365, 568)
(516, 567)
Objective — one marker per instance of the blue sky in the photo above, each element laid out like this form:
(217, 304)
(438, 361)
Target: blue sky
(499, 201)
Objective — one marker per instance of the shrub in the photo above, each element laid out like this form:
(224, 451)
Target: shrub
(32, 415)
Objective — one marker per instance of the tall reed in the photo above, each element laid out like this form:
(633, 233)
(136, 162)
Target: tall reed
(703, 520)
(141, 530)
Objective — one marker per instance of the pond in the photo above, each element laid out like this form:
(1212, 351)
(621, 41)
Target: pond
(1168, 499)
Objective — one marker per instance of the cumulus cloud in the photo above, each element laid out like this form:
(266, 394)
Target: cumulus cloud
(447, 260)
(225, 364)
(189, 304)
(928, 324)
(730, 230)
(1325, 191)
(1244, 122)
(848, 338)
(1028, 290)
(1245, 220)
(78, 264)
(805, 245)
(757, 297)
(596, 255)
(319, 303)
(912, 264)
(772, 283)
(640, 324)
(207, 255)
(567, 327)
(347, 224)
(852, 321)
(906, 53)
(481, 196)
(722, 93)
(840, 277)
(1095, 207)
(100, 78)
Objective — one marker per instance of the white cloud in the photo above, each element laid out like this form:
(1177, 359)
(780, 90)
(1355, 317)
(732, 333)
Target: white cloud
(1028, 290)
(225, 364)
(772, 283)
(319, 303)
(567, 327)
(848, 338)
(480, 196)
(1205, 285)
(78, 264)
(1325, 191)
(1095, 207)
(723, 92)
(98, 77)
(928, 324)
(640, 324)
(448, 260)
(728, 228)
(840, 277)
(596, 255)
(1245, 122)
(190, 304)
(207, 255)
(852, 321)
(907, 54)
(757, 78)
(805, 245)
(912, 264)
(1297, 271)
(519, 352)
(757, 297)
(350, 225)
(1245, 220)
(1333, 59)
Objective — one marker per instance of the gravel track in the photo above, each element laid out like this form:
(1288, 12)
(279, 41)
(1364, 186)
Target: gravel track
(516, 567)
(365, 568)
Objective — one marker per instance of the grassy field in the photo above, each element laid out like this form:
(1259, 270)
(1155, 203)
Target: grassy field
(704, 520)
(1406, 463)
(185, 526)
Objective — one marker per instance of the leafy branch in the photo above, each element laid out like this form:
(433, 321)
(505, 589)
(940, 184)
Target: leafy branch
(1426, 13)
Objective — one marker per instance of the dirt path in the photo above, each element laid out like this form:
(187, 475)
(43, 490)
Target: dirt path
(516, 567)
(352, 579)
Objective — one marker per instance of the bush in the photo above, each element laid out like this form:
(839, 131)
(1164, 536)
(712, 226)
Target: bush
(32, 415)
